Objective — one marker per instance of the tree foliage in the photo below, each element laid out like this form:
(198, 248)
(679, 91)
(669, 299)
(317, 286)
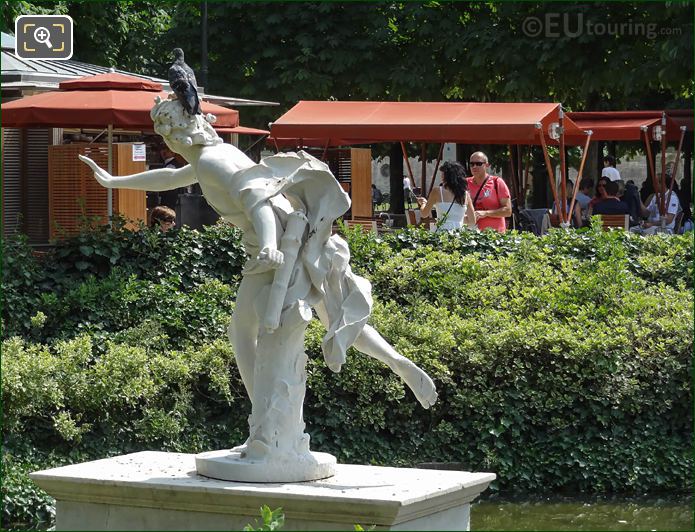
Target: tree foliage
(474, 51)
(442, 50)
(124, 34)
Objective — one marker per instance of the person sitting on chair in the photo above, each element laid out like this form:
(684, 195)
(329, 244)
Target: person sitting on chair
(377, 196)
(586, 186)
(653, 224)
(611, 203)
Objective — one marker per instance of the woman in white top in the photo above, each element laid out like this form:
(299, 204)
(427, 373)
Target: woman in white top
(452, 200)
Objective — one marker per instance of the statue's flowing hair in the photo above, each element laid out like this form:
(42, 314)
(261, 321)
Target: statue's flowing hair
(454, 179)
(173, 124)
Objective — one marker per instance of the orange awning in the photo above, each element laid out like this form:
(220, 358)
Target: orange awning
(681, 117)
(110, 80)
(97, 101)
(321, 123)
(242, 130)
(624, 125)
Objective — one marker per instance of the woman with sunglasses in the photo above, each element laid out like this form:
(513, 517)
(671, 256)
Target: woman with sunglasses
(490, 194)
(600, 195)
(452, 201)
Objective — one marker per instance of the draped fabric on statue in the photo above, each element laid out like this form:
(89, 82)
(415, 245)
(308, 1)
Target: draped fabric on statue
(322, 276)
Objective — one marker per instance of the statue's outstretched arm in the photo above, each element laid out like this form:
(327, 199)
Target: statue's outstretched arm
(153, 180)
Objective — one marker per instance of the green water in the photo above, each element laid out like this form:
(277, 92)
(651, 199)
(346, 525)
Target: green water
(671, 513)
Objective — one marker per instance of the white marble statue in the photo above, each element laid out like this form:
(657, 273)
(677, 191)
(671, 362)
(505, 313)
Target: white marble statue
(285, 206)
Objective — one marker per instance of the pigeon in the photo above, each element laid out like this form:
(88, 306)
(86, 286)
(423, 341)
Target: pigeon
(183, 83)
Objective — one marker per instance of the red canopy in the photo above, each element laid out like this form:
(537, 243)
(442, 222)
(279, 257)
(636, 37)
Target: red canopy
(681, 117)
(242, 130)
(625, 125)
(111, 80)
(332, 123)
(97, 101)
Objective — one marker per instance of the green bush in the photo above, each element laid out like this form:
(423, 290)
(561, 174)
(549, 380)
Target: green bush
(24, 507)
(562, 363)
(80, 265)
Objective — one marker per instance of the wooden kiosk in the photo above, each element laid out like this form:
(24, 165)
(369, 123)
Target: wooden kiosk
(73, 192)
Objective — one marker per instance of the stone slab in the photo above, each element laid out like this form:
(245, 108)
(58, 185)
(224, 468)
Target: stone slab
(162, 491)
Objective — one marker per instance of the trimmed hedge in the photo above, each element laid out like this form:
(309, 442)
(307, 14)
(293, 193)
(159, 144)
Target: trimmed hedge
(563, 363)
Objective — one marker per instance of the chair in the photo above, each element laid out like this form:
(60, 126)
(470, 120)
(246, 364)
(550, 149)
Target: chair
(535, 220)
(364, 224)
(384, 222)
(416, 220)
(615, 221)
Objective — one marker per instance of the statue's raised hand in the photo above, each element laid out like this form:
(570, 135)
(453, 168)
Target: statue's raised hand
(105, 179)
(272, 257)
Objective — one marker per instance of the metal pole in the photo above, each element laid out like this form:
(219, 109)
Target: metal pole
(548, 165)
(515, 188)
(563, 168)
(675, 165)
(650, 159)
(109, 191)
(407, 161)
(527, 169)
(423, 168)
(519, 163)
(581, 170)
(662, 179)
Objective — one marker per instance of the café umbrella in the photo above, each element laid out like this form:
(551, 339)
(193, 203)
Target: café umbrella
(110, 100)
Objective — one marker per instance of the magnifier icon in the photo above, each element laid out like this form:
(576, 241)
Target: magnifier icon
(43, 36)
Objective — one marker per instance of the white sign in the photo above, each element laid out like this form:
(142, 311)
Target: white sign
(139, 152)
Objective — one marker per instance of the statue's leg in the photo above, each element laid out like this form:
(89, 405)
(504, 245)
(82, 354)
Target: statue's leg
(243, 329)
(371, 343)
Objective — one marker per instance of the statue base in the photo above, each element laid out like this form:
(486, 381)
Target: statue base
(161, 491)
(231, 465)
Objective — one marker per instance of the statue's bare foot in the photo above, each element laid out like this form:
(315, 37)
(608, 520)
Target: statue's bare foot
(255, 450)
(417, 380)
(240, 448)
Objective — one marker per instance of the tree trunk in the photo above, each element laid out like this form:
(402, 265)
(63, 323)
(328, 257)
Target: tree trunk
(590, 168)
(396, 179)
(601, 145)
(539, 199)
(463, 153)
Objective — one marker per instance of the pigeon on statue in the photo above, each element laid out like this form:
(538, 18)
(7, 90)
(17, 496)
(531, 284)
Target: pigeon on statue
(182, 82)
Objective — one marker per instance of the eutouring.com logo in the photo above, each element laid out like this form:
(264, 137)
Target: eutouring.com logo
(556, 25)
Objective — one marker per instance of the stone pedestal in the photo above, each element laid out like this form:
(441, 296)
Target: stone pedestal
(162, 491)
